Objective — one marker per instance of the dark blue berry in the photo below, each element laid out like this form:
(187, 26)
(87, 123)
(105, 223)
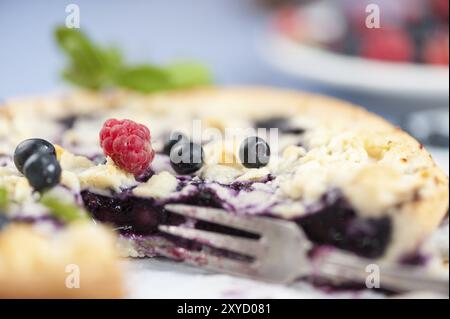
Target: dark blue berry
(29, 147)
(186, 157)
(254, 152)
(42, 171)
(174, 138)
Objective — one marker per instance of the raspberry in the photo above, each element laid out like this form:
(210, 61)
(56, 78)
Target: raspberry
(440, 9)
(436, 50)
(389, 44)
(128, 144)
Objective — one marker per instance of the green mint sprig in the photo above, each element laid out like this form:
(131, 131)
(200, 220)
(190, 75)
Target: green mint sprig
(94, 67)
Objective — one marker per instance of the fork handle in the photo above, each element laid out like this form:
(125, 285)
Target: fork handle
(398, 278)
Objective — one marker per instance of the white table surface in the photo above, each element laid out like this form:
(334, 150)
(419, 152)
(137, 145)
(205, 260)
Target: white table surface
(163, 279)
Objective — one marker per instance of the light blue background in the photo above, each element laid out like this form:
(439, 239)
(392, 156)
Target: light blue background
(225, 34)
(221, 33)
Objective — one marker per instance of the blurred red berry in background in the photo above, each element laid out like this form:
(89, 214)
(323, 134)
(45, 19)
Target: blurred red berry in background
(387, 44)
(440, 8)
(436, 50)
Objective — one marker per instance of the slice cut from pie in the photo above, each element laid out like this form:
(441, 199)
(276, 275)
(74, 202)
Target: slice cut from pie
(348, 178)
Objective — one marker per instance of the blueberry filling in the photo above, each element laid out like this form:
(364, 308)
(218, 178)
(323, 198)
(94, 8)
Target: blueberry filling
(281, 123)
(330, 222)
(128, 213)
(4, 160)
(68, 122)
(98, 159)
(241, 186)
(335, 223)
(137, 216)
(203, 197)
(414, 259)
(145, 176)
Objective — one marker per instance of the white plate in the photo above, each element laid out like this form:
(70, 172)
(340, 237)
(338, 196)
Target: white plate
(357, 73)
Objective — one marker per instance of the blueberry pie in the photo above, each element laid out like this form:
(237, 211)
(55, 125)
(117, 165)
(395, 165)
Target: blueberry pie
(345, 176)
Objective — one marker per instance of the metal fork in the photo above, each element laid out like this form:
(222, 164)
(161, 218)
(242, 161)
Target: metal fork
(280, 254)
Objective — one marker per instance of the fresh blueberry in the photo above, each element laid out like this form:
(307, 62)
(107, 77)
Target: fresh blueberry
(29, 147)
(186, 157)
(174, 138)
(254, 152)
(42, 171)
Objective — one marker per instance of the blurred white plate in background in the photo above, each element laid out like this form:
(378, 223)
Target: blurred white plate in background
(356, 73)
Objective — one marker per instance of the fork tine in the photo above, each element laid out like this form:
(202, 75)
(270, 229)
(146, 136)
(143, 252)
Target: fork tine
(211, 262)
(245, 246)
(220, 216)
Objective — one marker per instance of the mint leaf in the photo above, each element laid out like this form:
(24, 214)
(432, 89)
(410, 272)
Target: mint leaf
(3, 198)
(94, 67)
(89, 65)
(188, 74)
(147, 78)
(64, 211)
(144, 78)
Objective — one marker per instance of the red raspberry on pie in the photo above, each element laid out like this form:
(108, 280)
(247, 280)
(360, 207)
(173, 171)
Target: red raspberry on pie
(128, 144)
